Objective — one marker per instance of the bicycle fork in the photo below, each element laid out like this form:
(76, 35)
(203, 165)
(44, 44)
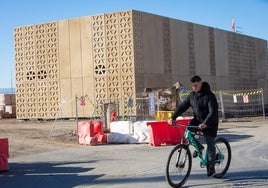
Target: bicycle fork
(181, 164)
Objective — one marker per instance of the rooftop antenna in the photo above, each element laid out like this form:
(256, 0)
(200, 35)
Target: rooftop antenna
(239, 29)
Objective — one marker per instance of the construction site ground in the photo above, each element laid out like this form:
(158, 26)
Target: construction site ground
(44, 154)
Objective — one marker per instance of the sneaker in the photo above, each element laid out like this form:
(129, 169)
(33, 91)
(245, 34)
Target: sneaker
(194, 154)
(211, 172)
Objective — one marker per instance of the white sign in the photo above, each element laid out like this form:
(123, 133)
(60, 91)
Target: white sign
(235, 98)
(245, 99)
(151, 104)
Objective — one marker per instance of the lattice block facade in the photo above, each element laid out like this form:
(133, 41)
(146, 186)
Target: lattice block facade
(112, 57)
(37, 71)
(90, 57)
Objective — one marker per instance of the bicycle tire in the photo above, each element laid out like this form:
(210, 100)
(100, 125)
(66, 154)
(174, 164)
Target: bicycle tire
(224, 161)
(179, 159)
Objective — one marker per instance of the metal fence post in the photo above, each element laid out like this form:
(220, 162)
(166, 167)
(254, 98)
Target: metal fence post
(76, 116)
(262, 101)
(222, 107)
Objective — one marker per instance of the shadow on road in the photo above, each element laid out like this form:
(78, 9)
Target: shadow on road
(43, 175)
(248, 178)
(231, 137)
(232, 179)
(258, 178)
(128, 181)
(67, 175)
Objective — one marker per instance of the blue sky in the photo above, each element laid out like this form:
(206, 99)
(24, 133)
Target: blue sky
(250, 15)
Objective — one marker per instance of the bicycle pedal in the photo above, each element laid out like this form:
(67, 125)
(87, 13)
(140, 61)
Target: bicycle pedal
(195, 154)
(202, 166)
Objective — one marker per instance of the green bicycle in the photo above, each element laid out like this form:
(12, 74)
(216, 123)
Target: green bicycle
(179, 162)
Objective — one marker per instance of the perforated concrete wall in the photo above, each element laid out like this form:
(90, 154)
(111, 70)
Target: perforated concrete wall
(37, 71)
(110, 57)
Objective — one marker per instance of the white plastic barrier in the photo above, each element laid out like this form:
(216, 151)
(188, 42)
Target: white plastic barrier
(114, 137)
(120, 132)
(141, 132)
(123, 127)
(128, 132)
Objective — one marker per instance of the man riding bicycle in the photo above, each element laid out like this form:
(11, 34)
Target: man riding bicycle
(205, 108)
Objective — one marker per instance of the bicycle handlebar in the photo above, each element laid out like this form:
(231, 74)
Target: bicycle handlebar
(187, 126)
(193, 127)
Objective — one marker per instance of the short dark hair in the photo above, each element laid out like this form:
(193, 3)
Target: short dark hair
(195, 79)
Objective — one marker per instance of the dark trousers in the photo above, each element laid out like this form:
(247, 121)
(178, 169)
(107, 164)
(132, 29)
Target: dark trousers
(211, 151)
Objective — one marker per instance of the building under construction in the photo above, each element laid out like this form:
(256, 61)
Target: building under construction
(111, 58)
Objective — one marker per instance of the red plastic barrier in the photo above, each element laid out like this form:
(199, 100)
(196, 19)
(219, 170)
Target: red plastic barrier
(90, 140)
(3, 163)
(4, 147)
(4, 154)
(98, 127)
(85, 128)
(91, 132)
(162, 133)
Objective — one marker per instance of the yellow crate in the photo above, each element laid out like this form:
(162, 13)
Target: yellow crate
(163, 115)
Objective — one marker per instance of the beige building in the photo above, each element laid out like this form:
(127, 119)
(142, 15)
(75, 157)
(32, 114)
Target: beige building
(110, 57)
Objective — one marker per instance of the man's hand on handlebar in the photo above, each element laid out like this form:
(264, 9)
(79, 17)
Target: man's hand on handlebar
(171, 122)
(202, 126)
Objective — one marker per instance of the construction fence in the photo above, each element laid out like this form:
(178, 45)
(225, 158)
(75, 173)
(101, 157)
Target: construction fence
(232, 104)
(159, 105)
(241, 103)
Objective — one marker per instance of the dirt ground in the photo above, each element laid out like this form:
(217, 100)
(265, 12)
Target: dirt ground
(30, 137)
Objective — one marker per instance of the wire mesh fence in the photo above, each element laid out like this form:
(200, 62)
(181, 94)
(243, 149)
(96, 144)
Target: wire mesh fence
(232, 104)
(160, 104)
(241, 103)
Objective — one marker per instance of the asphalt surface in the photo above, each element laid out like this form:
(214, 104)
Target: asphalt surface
(138, 165)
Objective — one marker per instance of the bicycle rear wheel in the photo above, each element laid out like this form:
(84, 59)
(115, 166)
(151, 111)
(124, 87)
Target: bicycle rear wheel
(178, 166)
(223, 157)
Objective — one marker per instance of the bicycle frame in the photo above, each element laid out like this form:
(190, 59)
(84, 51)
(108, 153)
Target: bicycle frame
(189, 135)
(179, 161)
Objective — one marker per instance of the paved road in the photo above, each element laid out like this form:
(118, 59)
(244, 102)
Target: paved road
(138, 165)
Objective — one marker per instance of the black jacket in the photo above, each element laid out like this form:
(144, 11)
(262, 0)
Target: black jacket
(205, 108)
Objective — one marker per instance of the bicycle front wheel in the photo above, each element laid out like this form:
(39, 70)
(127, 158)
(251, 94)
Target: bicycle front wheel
(178, 166)
(223, 157)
